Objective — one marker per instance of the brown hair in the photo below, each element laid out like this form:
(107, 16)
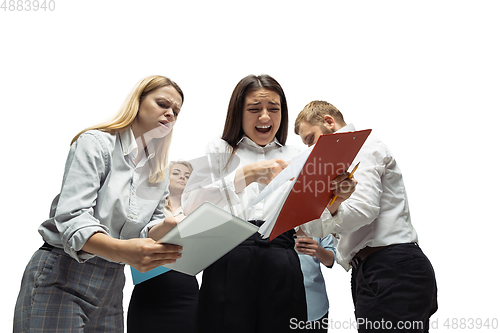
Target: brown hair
(233, 128)
(314, 113)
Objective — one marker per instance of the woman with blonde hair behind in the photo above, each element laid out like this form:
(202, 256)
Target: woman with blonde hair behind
(109, 213)
(166, 302)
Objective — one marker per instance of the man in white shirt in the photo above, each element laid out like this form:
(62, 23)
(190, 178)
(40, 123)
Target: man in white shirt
(393, 282)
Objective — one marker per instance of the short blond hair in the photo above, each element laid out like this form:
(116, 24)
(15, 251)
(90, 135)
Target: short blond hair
(314, 113)
(181, 162)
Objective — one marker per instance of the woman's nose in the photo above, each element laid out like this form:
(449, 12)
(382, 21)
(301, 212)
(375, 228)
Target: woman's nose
(264, 115)
(169, 113)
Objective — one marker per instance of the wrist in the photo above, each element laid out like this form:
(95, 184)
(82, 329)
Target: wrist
(244, 177)
(103, 245)
(249, 174)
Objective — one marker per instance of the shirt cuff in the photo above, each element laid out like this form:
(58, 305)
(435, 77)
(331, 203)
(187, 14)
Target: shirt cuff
(228, 191)
(325, 225)
(73, 246)
(145, 231)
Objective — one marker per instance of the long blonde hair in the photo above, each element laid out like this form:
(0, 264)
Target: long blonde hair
(127, 114)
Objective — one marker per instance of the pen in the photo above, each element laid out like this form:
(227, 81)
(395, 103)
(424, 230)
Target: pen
(348, 177)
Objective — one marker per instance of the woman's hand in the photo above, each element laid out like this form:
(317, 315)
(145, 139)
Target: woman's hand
(162, 228)
(262, 172)
(143, 254)
(307, 245)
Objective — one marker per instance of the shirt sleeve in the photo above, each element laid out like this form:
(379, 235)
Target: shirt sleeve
(329, 243)
(212, 180)
(157, 217)
(363, 206)
(84, 172)
(325, 224)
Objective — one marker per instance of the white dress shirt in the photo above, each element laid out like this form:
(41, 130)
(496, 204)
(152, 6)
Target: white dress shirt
(212, 180)
(104, 191)
(377, 213)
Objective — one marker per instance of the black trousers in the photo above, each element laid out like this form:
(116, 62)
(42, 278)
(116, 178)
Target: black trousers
(394, 290)
(165, 303)
(256, 287)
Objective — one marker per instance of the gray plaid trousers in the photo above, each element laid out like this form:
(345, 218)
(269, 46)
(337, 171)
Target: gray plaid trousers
(58, 294)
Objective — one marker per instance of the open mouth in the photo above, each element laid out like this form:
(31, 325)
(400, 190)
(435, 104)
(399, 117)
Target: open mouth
(263, 129)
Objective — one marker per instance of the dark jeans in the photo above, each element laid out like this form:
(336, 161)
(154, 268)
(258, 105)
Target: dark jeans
(394, 290)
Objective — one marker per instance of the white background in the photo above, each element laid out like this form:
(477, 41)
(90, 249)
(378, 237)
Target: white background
(424, 75)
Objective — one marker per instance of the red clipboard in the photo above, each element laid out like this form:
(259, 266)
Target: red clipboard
(332, 155)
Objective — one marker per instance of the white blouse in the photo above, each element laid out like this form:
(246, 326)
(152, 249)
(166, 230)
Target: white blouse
(212, 180)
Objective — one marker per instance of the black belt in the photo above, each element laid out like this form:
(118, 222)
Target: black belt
(368, 251)
(284, 240)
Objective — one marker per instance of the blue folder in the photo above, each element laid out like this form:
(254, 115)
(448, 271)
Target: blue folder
(138, 277)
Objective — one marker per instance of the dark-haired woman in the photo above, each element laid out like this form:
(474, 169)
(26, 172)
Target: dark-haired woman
(258, 286)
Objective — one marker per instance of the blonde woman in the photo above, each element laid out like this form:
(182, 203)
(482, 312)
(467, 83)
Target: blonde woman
(167, 302)
(179, 172)
(109, 213)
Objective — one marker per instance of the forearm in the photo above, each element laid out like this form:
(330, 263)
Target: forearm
(143, 254)
(334, 206)
(160, 229)
(325, 257)
(103, 245)
(244, 176)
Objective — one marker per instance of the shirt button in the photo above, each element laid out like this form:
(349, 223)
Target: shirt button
(131, 216)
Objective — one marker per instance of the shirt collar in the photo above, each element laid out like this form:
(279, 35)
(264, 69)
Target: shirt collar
(346, 128)
(246, 140)
(129, 145)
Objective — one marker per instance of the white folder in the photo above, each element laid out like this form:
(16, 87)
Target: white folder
(206, 234)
